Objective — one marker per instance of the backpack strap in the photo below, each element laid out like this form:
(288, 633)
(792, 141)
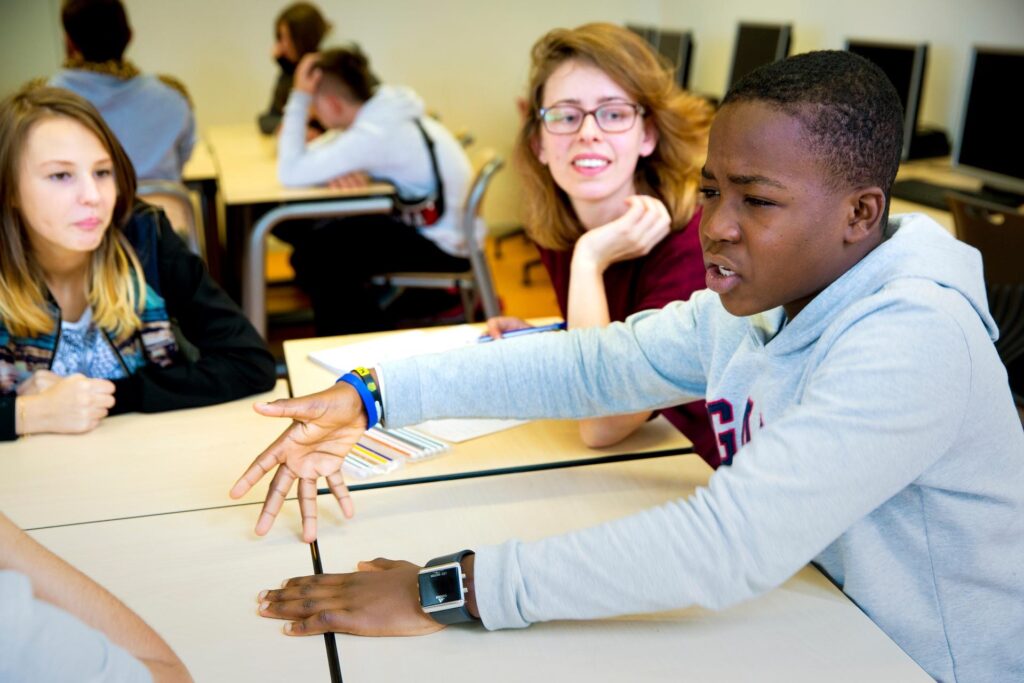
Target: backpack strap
(439, 201)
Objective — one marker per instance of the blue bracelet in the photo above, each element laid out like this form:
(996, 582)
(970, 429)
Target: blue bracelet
(369, 404)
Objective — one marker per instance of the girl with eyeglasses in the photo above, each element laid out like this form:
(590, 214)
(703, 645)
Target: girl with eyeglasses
(103, 309)
(610, 153)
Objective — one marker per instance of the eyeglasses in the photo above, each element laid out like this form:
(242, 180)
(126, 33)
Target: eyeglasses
(614, 117)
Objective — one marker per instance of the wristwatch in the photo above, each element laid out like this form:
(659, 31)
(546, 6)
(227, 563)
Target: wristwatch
(442, 589)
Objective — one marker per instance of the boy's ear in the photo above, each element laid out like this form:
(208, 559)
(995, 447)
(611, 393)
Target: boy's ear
(867, 206)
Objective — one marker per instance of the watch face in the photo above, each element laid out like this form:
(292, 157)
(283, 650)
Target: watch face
(441, 587)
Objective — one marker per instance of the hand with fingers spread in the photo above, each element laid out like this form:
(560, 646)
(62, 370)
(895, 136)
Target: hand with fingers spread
(499, 325)
(324, 427)
(631, 235)
(381, 599)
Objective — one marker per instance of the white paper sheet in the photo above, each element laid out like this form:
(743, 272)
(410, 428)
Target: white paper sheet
(341, 359)
(394, 346)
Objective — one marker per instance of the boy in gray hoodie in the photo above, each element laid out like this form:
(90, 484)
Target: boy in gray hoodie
(849, 370)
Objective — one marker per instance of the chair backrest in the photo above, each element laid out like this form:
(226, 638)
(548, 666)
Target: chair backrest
(176, 201)
(996, 231)
(488, 166)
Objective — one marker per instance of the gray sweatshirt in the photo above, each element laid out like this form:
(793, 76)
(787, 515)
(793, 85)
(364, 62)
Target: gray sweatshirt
(384, 142)
(40, 642)
(153, 122)
(875, 435)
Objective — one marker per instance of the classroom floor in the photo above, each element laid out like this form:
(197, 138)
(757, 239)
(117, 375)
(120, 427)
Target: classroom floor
(291, 315)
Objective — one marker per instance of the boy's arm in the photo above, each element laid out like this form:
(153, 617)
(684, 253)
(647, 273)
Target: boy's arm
(653, 360)
(59, 584)
(866, 426)
(300, 164)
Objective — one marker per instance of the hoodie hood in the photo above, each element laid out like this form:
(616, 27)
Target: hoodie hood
(389, 104)
(102, 90)
(919, 248)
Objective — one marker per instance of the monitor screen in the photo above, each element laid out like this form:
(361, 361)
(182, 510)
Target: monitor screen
(676, 47)
(758, 44)
(648, 33)
(990, 145)
(904, 65)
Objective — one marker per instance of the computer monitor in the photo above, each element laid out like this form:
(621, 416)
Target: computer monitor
(648, 33)
(677, 48)
(990, 145)
(904, 64)
(758, 44)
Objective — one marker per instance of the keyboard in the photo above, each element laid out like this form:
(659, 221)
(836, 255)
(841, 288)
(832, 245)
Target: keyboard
(934, 196)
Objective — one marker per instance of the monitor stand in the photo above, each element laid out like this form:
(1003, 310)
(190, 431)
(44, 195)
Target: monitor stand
(928, 143)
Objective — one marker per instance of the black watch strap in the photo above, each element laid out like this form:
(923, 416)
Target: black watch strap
(445, 559)
(456, 615)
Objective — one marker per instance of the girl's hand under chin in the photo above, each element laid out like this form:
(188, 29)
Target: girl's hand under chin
(632, 235)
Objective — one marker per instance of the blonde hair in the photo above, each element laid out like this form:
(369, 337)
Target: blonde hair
(116, 285)
(671, 173)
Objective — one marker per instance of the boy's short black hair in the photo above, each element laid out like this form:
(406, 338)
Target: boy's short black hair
(849, 108)
(98, 28)
(349, 69)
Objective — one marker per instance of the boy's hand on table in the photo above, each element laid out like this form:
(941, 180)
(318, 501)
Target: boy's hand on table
(381, 599)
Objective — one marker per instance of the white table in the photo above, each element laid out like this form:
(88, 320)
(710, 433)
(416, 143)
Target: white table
(135, 465)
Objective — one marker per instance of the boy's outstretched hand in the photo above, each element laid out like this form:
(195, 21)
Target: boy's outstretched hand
(324, 427)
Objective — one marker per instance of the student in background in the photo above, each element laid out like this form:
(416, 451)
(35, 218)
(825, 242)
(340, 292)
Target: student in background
(103, 309)
(381, 132)
(298, 31)
(610, 154)
(56, 624)
(151, 115)
(846, 356)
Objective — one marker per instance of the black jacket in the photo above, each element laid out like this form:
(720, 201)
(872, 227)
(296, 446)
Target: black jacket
(223, 357)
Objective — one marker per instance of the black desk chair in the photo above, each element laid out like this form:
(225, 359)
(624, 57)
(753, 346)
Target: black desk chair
(998, 233)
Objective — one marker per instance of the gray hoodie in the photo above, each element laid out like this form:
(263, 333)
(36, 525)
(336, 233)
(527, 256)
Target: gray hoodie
(152, 121)
(875, 435)
(384, 142)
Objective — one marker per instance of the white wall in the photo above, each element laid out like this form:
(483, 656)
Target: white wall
(30, 41)
(468, 58)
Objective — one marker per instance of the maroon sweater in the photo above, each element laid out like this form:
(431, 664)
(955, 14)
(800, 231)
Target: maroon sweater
(673, 270)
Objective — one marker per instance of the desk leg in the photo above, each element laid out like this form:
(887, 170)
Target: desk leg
(214, 250)
(238, 225)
